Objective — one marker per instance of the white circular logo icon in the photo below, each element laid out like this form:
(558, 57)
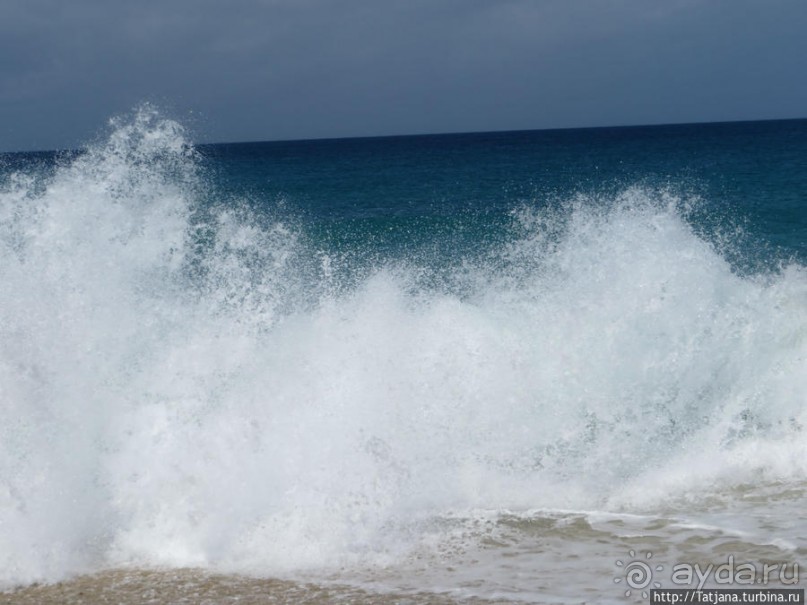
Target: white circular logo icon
(638, 574)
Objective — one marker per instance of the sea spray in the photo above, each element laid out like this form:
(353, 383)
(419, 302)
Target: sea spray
(184, 382)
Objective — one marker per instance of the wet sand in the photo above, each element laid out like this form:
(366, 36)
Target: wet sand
(194, 587)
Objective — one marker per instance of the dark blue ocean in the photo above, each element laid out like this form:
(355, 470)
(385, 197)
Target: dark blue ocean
(458, 191)
(509, 366)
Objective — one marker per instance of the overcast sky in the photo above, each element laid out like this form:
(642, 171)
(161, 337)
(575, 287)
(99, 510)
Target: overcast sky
(235, 70)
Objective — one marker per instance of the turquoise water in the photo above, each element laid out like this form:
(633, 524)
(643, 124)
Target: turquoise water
(480, 364)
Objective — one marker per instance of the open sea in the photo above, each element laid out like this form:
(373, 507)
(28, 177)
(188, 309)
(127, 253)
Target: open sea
(519, 367)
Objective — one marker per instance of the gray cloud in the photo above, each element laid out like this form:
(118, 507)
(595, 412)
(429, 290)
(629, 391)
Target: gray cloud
(270, 69)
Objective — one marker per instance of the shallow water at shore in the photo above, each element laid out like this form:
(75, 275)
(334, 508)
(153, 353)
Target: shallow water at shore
(527, 557)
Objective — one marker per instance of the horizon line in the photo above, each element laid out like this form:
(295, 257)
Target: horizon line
(502, 131)
(441, 133)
